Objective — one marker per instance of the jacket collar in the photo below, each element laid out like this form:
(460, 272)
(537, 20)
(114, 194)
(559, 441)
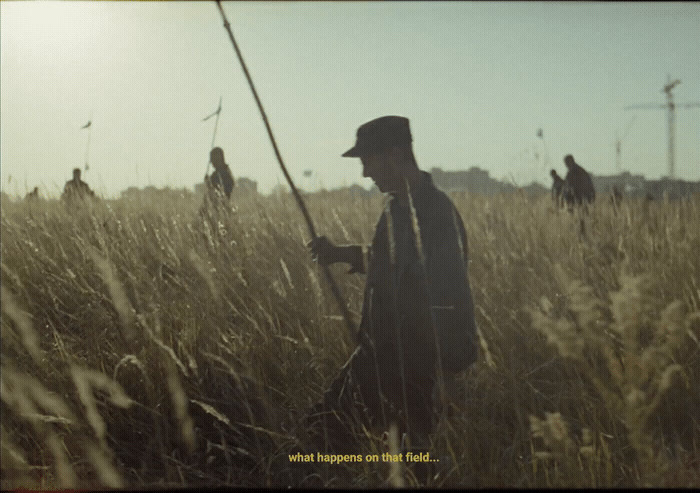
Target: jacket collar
(419, 193)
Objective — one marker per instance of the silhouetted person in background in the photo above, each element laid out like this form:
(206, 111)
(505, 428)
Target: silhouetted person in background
(578, 186)
(557, 187)
(33, 195)
(417, 289)
(220, 183)
(217, 186)
(76, 189)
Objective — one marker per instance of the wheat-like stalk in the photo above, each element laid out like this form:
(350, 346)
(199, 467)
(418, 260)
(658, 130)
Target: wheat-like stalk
(233, 343)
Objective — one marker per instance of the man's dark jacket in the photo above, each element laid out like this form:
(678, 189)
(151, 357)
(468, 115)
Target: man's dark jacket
(417, 299)
(578, 185)
(400, 275)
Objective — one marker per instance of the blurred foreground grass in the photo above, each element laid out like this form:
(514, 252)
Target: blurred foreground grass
(142, 347)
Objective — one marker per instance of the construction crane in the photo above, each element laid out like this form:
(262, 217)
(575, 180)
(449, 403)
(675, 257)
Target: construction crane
(618, 144)
(671, 120)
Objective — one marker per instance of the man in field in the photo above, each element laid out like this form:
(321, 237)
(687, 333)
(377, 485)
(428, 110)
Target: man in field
(220, 183)
(218, 186)
(578, 186)
(76, 189)
(417, 326)
(557, 187)
(32, 196)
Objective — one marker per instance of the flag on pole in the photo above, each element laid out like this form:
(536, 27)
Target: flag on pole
(88, 125)
(218, 110)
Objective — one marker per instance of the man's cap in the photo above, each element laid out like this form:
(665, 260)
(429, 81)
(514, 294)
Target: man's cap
(381, 134)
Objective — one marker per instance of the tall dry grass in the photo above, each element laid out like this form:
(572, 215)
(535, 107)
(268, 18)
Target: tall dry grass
(144, 347)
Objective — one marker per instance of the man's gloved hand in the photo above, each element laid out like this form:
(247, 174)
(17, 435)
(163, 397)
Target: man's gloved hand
(324, 251)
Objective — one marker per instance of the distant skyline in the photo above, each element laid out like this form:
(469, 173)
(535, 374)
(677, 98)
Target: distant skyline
(477, 80)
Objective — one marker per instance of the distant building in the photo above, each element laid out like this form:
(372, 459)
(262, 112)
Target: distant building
(131, 193)
(246, 185)
(475, 180)
(673, 189)
(534, 189)
(638, 186)
(356, 190)
(629, 184)
(152, 193)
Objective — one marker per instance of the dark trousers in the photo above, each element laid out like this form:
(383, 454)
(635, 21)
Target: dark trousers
(371, 391)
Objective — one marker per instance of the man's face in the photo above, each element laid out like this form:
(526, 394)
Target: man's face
(382, 168)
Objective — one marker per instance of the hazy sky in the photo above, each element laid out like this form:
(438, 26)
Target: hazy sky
(476, 81)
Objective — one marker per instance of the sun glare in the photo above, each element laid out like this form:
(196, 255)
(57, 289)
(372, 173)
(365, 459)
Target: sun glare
(50, 33)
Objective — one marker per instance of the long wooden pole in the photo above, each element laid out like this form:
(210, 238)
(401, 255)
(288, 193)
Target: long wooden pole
(213, 137)
(300, 202)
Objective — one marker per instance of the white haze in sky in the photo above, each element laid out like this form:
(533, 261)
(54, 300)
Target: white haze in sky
(477, 81)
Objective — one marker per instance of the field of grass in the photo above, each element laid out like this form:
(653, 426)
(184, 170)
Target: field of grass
(142, 347)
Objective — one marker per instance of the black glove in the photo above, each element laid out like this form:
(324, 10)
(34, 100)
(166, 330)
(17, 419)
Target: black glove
(323, 251)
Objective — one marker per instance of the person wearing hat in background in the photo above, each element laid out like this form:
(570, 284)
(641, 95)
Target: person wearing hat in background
(417, 315)
(557, 187)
